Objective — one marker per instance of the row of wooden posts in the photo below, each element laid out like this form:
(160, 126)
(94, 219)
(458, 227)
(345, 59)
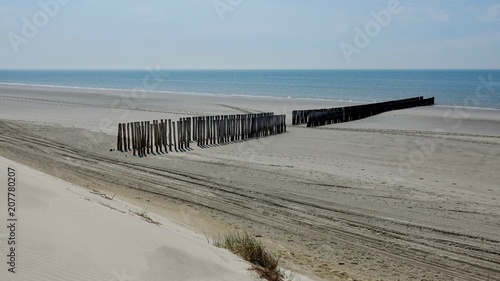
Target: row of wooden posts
(162, 136)
(320, 117)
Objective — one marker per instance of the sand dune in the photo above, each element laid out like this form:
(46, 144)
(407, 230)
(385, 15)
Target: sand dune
(66, 233)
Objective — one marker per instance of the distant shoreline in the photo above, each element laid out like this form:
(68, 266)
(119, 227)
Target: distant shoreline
(449, 87)
(223, 95)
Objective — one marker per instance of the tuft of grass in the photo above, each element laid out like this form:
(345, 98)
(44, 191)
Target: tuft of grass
(250, 249)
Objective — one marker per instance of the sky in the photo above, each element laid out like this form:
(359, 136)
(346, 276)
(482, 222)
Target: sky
(250, 34)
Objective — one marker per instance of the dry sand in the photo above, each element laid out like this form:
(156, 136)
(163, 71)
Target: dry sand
(406, 195)
(64, 232)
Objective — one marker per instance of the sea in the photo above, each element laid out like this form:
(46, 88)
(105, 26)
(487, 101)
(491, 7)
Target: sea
(464, 88)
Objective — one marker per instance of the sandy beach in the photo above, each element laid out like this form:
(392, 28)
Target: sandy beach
(405, 195)
(67, 233)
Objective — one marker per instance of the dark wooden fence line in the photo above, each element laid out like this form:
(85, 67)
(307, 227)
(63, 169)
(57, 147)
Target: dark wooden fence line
(164, 135)
(213, 130)
(320, 117)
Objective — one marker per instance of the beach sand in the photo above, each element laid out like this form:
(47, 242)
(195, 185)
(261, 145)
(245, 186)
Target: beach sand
(405, 195)
(64, 232)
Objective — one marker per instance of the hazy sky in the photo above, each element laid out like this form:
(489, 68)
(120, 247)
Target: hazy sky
(255, 34)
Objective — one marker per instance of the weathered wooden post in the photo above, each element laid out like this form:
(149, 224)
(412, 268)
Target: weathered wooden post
(141, 142)
(180, 135)
(202, 128)
(119, 138)
(135, 136)
(170, 134)
(213, 120)
(165, 135)
(237, 127)
(233, 127)
(185, 132)
(145, 138)
(157, 136)
(151, 139)
(188, 131)
(210, 139)
(216, 129)
(124, 138)
(206, 130)
(174, 137)
(159, 129)
(218, 119)
(127, 139)
(132, 129)
(146, 124)
(138, 138)
(198, 130)
(195, 129)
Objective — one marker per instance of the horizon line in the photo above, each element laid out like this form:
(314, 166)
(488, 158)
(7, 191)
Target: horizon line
(244, 69)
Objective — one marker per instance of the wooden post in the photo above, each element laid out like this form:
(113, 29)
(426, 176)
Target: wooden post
(125, 134)
(201, 135)
(141, 133)
(139, 137)
(157, 136)
(140, 126)
(187, 131)
(165, 135)
(151, 138)
(195, 129)
(132, 130)
(206, 133)
(159, 125)
(209, 130)
(198, 131)
(170, 134)
(213, 139)
(184, 133)
(119, 138)
(134, 137)
(226, 128)
(233, 127)
(145, 138)
(175, 140)
(180, 132)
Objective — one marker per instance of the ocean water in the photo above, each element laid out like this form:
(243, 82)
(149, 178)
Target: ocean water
(471, 88)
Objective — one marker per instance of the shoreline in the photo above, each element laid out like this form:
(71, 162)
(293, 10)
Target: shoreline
(121, 90)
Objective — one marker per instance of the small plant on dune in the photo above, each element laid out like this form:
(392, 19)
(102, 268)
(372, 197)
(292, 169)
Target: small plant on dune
(251, 250)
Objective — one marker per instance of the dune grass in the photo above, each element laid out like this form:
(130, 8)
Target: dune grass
(250, 249)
